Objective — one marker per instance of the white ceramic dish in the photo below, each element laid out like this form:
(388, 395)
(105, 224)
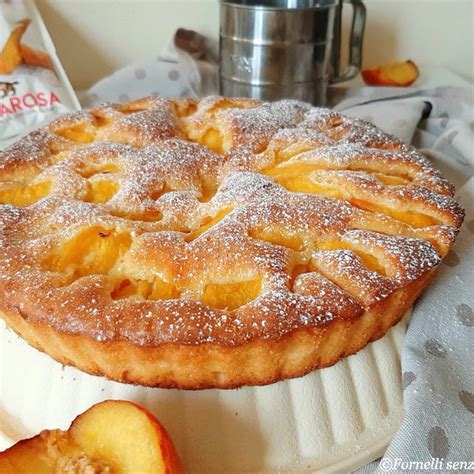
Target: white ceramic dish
(332, 420)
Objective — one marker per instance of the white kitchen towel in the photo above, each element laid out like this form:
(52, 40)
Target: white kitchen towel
(187, 67)
(437, 354)
(438, 375)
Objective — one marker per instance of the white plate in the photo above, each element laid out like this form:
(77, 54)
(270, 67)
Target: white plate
(333, 420)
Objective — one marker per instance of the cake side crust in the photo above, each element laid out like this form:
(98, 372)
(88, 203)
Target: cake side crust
(213, 366)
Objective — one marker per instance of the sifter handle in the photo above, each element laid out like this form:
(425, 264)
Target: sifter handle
(355, 43)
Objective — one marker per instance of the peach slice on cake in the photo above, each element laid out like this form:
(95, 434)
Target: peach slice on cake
(396, 73)
(112, 437)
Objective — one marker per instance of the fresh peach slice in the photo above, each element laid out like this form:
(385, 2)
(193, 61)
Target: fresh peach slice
(396, 73)
(112, 437)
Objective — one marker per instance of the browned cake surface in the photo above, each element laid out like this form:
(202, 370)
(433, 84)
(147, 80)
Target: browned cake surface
(215, 243)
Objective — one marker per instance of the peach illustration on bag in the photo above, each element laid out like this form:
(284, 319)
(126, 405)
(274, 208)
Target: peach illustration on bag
(15, 52)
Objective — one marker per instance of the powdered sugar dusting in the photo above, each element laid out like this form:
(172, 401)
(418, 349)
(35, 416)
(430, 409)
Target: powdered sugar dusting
(185, 219)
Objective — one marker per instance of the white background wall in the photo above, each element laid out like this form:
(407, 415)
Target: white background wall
(95, 37)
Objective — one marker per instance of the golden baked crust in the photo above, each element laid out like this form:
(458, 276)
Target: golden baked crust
(214, 243)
